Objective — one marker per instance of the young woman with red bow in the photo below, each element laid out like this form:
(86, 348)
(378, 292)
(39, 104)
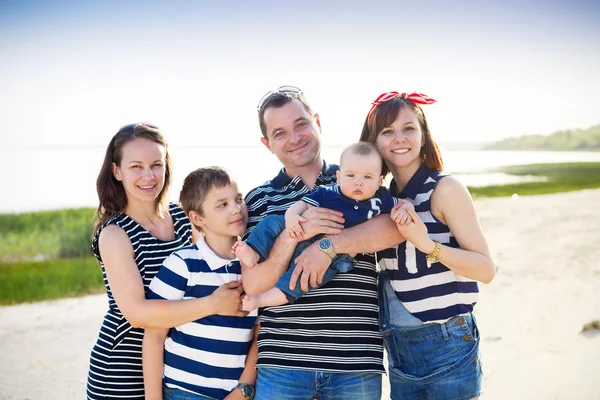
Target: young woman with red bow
(428, 284)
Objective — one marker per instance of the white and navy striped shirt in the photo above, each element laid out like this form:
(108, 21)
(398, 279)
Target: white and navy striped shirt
(116, 360)
(206, 356)
(431, 292)
(333, 328)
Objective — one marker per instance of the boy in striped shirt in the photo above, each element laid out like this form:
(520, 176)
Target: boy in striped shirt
(213, 357)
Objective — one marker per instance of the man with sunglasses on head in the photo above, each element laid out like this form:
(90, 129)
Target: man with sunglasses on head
(327, 344)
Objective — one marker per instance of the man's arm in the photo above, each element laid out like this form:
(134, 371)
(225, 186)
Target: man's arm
(263, 276)
(374, 235)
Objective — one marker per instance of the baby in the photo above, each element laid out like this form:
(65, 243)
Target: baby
(358, 194)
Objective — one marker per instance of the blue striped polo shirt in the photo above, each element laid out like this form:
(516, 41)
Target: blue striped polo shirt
(430, 291)
(206, 356)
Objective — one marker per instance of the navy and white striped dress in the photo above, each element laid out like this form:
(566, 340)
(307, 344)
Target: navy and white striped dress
(431, 292)
(116, 360)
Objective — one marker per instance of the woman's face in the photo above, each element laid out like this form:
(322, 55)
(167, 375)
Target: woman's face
(400, 143)
(142, 170)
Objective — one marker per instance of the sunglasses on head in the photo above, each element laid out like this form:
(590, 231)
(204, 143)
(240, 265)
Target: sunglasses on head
(281, 89)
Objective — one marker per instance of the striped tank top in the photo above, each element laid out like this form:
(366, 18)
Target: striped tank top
(116, 360)
(430, 291)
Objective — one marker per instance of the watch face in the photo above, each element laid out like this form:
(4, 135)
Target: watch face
(248, 392)
(324, 244)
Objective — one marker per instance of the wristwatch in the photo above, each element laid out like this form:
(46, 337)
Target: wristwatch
(326, 247)
(433, 256)
(247, 390)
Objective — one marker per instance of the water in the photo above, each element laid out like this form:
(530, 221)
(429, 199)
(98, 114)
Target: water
(43, 178)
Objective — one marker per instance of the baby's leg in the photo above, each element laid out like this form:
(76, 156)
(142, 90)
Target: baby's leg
(272, 297)
(245, 253)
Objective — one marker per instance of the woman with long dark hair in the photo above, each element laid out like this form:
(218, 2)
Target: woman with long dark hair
(136, 230)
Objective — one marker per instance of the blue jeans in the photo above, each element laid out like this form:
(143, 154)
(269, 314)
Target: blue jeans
(291, 384)
(428, 361)
(263, 236)
(178, 394)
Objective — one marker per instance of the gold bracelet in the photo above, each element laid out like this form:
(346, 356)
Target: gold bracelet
(433, 256)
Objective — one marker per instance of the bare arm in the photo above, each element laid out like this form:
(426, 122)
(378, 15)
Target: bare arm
(452, 204)
(293, 219)
(297, 208)
(128, 290)
(249, 374)
(263, 276)
(153, 347)
(374, 235)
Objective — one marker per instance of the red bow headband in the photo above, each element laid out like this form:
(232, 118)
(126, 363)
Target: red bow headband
(415, 98)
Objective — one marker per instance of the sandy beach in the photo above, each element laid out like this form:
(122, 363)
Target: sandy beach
(546, 289)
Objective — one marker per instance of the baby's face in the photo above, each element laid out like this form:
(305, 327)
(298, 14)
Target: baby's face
(359, 176)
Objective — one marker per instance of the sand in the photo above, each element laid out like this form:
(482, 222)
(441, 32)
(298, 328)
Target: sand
(546, 289)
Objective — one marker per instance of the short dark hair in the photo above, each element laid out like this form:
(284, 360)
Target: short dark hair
(278, 100)
(197, 185)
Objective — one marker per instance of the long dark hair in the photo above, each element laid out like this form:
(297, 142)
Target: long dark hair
(385, 114)
(111, 194)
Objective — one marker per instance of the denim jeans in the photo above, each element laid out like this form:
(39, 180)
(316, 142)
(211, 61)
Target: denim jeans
(428, 361)
(178, 394)
(263, 236)
(291, 384)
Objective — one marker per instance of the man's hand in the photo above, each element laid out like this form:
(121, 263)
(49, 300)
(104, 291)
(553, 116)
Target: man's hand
(322, 221)
(228, 299)
(311, 265)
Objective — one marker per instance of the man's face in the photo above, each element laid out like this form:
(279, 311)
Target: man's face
(293, 135)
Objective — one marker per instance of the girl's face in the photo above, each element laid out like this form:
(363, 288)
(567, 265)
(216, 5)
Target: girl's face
(400, 143)
(142, 170)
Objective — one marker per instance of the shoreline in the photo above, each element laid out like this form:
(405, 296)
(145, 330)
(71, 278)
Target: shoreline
(455, 161)
(531, 315)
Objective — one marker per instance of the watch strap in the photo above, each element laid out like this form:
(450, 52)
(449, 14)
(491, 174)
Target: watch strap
(247, 390)
(433, 256)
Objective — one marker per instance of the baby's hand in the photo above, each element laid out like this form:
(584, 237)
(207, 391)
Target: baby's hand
(400, 213)
(292, 225)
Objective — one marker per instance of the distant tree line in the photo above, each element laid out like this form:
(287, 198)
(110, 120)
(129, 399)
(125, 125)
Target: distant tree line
(568, 140)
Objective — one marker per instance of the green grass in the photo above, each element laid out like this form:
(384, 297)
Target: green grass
(62, 237)
(562, 177)
(46, 235)
(34, 281)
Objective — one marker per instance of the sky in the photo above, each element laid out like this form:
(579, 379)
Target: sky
(72, 72)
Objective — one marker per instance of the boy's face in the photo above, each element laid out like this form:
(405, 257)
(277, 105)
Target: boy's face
(359, 176)
(224, 212)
